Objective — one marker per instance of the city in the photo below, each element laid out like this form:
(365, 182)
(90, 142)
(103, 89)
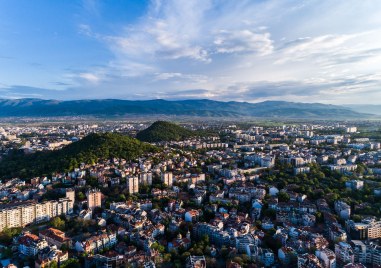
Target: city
(306, 195)
(190, 133)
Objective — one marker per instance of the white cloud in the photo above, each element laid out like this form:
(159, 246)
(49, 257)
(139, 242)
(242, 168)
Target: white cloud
(243, 41)
(90, 77)
(245, 50)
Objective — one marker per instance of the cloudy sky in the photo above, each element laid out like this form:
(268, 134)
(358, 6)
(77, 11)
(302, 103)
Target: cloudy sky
(305, 51)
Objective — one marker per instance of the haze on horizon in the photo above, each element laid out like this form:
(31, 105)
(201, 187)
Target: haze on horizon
(302, 51)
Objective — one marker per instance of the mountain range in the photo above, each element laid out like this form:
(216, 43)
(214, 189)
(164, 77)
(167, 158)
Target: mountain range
(366, 108)
(201, 108)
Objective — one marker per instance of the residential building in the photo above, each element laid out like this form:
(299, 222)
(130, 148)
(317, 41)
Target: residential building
(55, 237)
(133, 185)
(94, 198)
(28, 212)
(196, 262)
(287, 255)
(167, 178)
(145, 178)
(96, 243)
(30, 244)
(344, 253)
(327, 257)
(308, 261)
(342, 209)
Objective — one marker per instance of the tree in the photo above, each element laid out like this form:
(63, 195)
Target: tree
(185, 255)
(53, 264)
(360, 169)
(283, 197)
(238, 260)
(122, 197)
(64, 247)
(58, 223)
(167, 257)
(7, 234)
(71, 263)
(81, 196)
(158, 247)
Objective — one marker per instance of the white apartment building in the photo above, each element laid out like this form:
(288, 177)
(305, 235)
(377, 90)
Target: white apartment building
(133, 185)
(22, 214)
(167, 178)
(94, 198)
(145, 178)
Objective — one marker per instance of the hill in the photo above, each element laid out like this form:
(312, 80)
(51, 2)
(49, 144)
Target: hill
(164, 131)
(365, 108)
(88, 150)
(203, 108)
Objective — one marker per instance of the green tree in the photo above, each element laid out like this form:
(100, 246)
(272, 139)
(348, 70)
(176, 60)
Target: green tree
(283, 197)
(71, 263)
(7, 234)
(53, 264)
(58, 223)
(81, 196)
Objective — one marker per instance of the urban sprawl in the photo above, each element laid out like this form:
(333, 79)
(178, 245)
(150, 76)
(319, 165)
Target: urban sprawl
(250, 195)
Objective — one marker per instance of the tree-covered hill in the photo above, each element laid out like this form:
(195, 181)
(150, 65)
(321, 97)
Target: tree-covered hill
(164, 131)
(88, 150)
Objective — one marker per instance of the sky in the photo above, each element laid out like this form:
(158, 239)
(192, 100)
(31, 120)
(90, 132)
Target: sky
(248, 50)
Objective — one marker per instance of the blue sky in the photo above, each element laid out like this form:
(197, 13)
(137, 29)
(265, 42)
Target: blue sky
(308, 51)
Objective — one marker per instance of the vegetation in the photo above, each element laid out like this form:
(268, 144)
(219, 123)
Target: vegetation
(71, 263)
(58, 223)
(88, 150)
(164, 131)
(7, 235)
(324, 183)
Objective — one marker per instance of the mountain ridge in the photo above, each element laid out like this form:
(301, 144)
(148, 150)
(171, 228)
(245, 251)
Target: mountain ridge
(31, 107)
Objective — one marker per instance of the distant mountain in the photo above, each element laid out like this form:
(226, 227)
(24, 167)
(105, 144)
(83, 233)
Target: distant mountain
(88, 150)
(365, 108)
(203, 108)
(164, 131)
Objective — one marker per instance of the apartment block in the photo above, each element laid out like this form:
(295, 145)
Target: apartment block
(133, 185)
(94, 198)
(24, 213)
(167, 178)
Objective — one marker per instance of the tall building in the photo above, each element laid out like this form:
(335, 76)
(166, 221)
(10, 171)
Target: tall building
(145, 178)
(94, 198)
(70, 193)
(167, 178)
(133, 185)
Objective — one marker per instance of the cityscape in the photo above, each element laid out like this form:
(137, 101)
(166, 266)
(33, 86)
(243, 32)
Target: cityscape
(201, 195)
(205, 133)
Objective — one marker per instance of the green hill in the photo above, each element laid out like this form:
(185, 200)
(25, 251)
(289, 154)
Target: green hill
(88, 150)
(164, 131)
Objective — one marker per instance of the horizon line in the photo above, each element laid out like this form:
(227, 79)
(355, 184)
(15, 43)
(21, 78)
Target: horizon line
(174, 100)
